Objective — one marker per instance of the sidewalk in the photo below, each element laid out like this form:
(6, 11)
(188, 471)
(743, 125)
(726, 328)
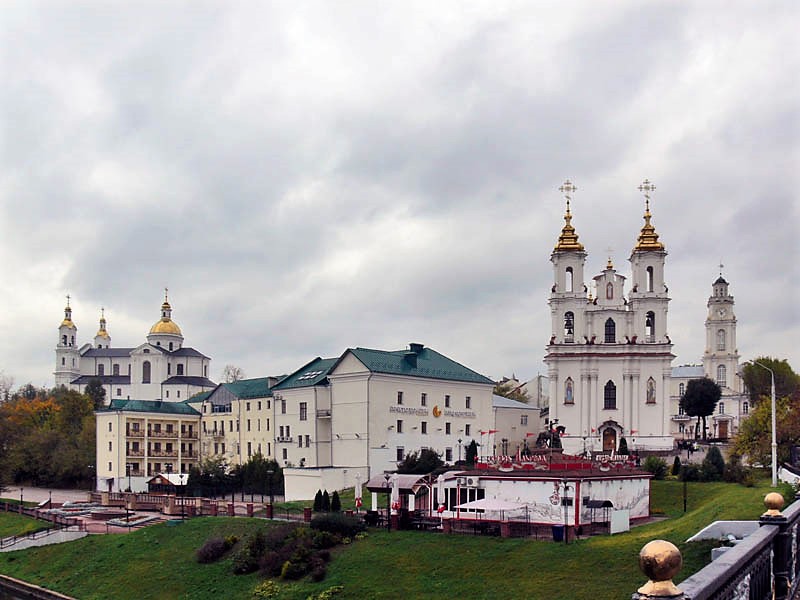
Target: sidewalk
(36, 494)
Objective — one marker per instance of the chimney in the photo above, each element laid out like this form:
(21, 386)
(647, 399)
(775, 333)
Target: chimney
(416, 348)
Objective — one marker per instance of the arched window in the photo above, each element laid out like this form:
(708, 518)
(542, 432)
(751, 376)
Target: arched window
(681, 390)
(610, 396)
(170, 346)
(650, 326)
(721, 408)
(649, 279)
(569, 393)
(651, 391)
(721, 339)
(63, 340)
(115, 369)
(101, 370)
(721, 375)
(609, 291)
(146, 371)
(611, 331)
(72, 340)
(180, 369)
(745, 408)
(569, 276)
(63, 361)
(569, 327)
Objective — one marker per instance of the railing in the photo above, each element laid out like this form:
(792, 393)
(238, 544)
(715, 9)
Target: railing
(131, 452)
(163, 454)
(763, 566)
(162, 434)
(323, 412)
(188, 435)
(285, 438)
(138, 433)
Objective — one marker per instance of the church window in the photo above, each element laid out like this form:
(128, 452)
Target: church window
(73, 362)
(651, 391)
(649, 279)
(569, 397)
(721, 375)
(63, 361)
(681, 410)
(721, 339)
(115, 369)
(610, 396)
(169, 368)
(101, 370)
(569, 327)
(180, 369)
(681, 428)
(146, 372)
(745, 408)
(569, 277)
(170, 346)
(722, 408)
(205, 370)
(119, 392)
(609, 291)
(63, 340)
(72, 340)
(158, 343)
(681, 390)
(650, 326)
(611, 331)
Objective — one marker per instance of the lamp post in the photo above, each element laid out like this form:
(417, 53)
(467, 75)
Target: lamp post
(565, 500)
(50, 499)
(128, 469)
(387, 476)
(459, 449)
(774, 441)
(182, 477)
(270, 472)
(20, 499)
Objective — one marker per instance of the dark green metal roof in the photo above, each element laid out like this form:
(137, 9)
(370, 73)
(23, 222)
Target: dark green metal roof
(198, 397)
(250, 388)
(418, 362)
(314, 373)
(151, 406)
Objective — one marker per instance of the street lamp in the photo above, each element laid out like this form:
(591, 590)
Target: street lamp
(387, 476)
(128, 469)
(459, 449)
(20, 499)
(565, 500)
(774, 442)
(182, 478)
(50, 499)
(270, 472)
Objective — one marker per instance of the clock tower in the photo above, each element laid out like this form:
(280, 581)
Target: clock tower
(721, 357)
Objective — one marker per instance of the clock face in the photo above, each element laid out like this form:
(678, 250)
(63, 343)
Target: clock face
(721, 312)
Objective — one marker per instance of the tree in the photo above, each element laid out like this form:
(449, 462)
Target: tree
(754, 437)
(6, 383)
(700, 399)
(623, 446)
(420, 463)
(758, 381)
(231, 373)
(326, 501)
(676, 466)
(512, 389)
(318, 501)
(713, 466)
(95, 390)
(472, 453)
(336, 503)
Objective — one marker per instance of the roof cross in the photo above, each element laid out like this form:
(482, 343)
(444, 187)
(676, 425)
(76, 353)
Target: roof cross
(646, 188)
(567, 188)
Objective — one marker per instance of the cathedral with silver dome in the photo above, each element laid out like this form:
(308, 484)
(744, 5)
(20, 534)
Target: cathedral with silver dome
(161, 368)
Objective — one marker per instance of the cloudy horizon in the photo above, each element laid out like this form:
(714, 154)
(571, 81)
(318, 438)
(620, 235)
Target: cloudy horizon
(310, 177)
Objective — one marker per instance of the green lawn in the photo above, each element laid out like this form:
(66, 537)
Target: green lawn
(158, 561)
(14, 524)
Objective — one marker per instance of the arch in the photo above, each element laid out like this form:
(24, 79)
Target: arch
(569, 277)
(611, 331)
(609, 439)
(650, 326)
(101, 370)
(609, 291)
(721, 339)
(569, 392)
(569, 327)
(146, 371)
(651, 391)
(722, 375)
(649, 279)
(610, 396)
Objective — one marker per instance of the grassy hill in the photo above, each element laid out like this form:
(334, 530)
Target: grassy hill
(158, 561)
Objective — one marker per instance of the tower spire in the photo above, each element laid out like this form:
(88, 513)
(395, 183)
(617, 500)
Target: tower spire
(648, 238)
(568, 240)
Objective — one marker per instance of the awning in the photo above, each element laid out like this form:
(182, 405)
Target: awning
(407, 484)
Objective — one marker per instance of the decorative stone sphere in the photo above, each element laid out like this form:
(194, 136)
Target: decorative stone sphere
(660, 560)
(774, 503)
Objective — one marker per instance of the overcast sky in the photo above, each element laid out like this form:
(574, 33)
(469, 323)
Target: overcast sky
(311, 176)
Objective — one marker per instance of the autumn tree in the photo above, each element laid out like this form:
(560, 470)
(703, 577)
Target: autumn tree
(512, 389)
(754, 438)
(700, 399)
(758, 381)
(231, 373)
(95, 390)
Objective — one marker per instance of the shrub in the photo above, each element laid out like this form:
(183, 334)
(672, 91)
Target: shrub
(623, 446)
(326, 501)
(212, 550)
(266, 590)
(271, 563)
(325, 539)
(318, 501)
(690, 472)
(327, 594)
(338, 523)
(336, 503)
(657, 466)
(293, 570)
(275, 537)
(247, 559)
(676, 466)
(735, 472)
(713, 465)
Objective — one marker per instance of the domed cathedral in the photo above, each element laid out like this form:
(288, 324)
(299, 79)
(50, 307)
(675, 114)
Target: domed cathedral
(162, 368)
(609, 356)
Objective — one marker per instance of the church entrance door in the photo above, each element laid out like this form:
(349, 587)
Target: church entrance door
(609, 440)
(723, 430)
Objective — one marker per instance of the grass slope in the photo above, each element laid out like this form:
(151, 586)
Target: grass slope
(158, 562)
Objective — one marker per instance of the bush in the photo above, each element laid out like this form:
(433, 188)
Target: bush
(276, 537)
(266, 590)
(623, 446)
(318, 501)
(325, 539)
(326, 501)
(735, 472)
(713, 465)
(247, 559)
(690, 472)
(338, 523)
(212, 550)
(336, 503)
(676, 466)
(657, 466)
(327, 594)
(292, 570)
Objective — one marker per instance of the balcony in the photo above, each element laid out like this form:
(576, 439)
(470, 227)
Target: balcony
(188, 435)
(681, 418)
(139, 452)
(323, 413)
(163, 454)
(217, 434)
(136, 433)
(162, 434)
(285, 439)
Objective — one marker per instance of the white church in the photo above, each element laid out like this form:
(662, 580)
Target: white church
(161, 368)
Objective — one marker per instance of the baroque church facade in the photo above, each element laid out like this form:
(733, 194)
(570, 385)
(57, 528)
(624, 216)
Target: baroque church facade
(161, 368)
(609, 357)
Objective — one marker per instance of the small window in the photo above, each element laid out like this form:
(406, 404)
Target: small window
(650, 327)
(447, 400)
(523, 419)
(63, 361)
(170, 346)
(399, 426)
(119, 391)
(609, 291)
(109, 425)
(109, 446)
(101, 370)
(468, 402)
(248, 424)
(179, 369)
(721, 339)
(569, 278)
(109, 466)
(611, 331)
(722, 408)
(399, 397)
(424, 427)
(467, 429)
(247, 406)
(610, 396)
(681, 390)
(745, 408)
(400, 454)
(285, 453)
(722, 375)
(448, 455)
(304, 411)
(115, 369)
(169, 368)
(283, 406)
(423, 399)
(447, 428)
(259, 405)
(146, 372)
(308, 441)
(649, 279)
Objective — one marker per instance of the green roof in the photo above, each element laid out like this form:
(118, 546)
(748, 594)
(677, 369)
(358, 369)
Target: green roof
(311, 374)
(418, 362)
(151, 406)
(249, 388)
(198, 397)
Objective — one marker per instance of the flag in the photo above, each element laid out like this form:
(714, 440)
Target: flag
(529, 434)
(491, 431)
(593, 430)
(634, 431)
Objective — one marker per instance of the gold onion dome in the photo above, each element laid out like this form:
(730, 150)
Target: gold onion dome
(568, 240)
(648, 238)
(67, 322)
(102, 331)
(166, 325)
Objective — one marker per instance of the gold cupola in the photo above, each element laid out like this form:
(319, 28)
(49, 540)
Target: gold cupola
(648, 238)
(568, 240)
(165, 324)
(67, 322)
(102, 331)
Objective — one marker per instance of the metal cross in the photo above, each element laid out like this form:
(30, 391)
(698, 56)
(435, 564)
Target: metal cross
(646, 188)
(720, 267)
(166, 294)
(67, 299)
(567, 188)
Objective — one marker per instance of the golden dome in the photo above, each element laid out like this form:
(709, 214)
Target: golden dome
(648, 238)
(568, 240)
(67, 323)
(102, 333)
(166, 325)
